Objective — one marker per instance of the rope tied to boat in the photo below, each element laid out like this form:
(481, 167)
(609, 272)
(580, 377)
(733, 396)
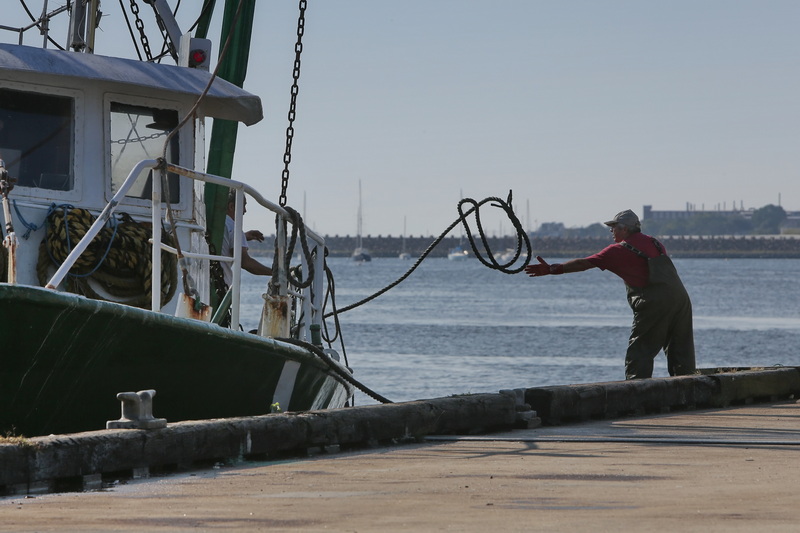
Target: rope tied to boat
(118, 261)
(295, 274)
(325, 358)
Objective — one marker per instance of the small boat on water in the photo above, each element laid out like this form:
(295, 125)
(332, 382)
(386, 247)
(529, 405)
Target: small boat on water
(458, 253)
(107, 277)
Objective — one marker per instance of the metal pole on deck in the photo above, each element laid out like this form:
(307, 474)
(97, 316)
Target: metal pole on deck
(155, 214)
(10, 240)
(276, 315)
(237, 259)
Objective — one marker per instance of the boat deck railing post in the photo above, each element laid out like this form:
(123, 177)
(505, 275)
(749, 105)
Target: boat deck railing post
(98, 224)
(312, 299)
(155, 218)
(314, 309)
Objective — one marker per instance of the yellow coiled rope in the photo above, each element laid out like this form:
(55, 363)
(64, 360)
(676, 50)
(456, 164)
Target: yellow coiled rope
(118, 259)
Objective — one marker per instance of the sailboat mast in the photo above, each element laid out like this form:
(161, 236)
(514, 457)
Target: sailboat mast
(358, 223)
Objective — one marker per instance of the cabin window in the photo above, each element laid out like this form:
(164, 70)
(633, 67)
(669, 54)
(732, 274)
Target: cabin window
(139, 133)
(36, 139)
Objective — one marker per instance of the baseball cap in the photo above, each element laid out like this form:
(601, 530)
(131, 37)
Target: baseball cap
(626, 218)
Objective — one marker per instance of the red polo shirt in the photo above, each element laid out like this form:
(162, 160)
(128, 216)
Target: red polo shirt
(625, 263)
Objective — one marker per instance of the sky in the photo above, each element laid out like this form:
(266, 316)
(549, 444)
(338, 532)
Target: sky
(581, 108)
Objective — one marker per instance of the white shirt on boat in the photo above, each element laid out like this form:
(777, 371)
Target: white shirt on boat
(227, 249)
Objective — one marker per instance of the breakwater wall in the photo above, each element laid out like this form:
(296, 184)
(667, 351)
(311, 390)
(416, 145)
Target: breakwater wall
(761, 246)
(86, 461)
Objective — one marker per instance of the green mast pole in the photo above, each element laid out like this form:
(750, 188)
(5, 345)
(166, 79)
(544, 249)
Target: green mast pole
(205, 19)
(223, 133)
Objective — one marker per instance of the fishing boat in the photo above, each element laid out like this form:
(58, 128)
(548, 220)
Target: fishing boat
(360, 254)
(106, 274)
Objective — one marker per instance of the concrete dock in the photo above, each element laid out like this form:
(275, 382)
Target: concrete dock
(731, 469)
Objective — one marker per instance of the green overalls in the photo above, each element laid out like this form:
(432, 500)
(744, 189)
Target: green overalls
(662, 319)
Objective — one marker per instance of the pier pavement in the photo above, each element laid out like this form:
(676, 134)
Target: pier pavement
(728, 469)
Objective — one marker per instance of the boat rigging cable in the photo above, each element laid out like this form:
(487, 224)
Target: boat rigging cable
(42, 23)
(489, 259)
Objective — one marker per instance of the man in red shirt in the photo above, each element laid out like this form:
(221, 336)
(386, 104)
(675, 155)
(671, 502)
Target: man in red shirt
(662, 310)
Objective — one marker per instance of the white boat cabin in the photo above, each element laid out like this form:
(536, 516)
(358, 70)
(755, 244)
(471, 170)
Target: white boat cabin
(73, 125)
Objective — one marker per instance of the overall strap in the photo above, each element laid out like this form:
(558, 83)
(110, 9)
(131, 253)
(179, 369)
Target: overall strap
(658, 246)
(633, 249)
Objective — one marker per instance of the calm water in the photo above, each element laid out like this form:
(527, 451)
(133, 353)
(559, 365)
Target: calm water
(459, 327)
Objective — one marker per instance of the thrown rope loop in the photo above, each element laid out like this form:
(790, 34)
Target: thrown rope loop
(522, 237)
(489, 260)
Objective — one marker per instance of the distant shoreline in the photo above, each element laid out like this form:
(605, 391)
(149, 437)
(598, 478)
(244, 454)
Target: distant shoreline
(695, 247)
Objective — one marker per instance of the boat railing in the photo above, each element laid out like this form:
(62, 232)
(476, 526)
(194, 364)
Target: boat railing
(42, 24)
(278, 323)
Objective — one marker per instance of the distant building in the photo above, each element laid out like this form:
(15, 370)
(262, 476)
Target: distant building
(649, 214)
(790, 225)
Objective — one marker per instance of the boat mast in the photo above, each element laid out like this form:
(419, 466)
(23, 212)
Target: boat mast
(358, 224)
(82, 25)
(404, 234)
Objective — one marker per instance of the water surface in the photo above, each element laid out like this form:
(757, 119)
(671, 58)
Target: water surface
(458, 327)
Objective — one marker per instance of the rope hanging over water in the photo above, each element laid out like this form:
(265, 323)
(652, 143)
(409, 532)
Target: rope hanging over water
(118, 261)
(485, 256)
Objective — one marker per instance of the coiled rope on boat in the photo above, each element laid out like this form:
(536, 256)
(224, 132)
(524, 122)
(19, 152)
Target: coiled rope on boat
(118, 260)
(484, 255)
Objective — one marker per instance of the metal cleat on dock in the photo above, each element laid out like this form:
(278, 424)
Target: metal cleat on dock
(137, 412)
(526, 417)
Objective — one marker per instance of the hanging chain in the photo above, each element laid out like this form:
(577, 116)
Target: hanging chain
(139, 139)
(140, 27)
(298, 49)
(167, 46)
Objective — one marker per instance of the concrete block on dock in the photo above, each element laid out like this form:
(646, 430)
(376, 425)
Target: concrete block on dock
(45, 462)
(69, 457)
(755, 385)
(566, 403)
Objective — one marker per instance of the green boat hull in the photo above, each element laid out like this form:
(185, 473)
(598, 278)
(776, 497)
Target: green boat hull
(65, 358)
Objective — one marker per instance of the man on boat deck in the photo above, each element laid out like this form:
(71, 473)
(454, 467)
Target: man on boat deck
(248, 263)
(662, 311)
